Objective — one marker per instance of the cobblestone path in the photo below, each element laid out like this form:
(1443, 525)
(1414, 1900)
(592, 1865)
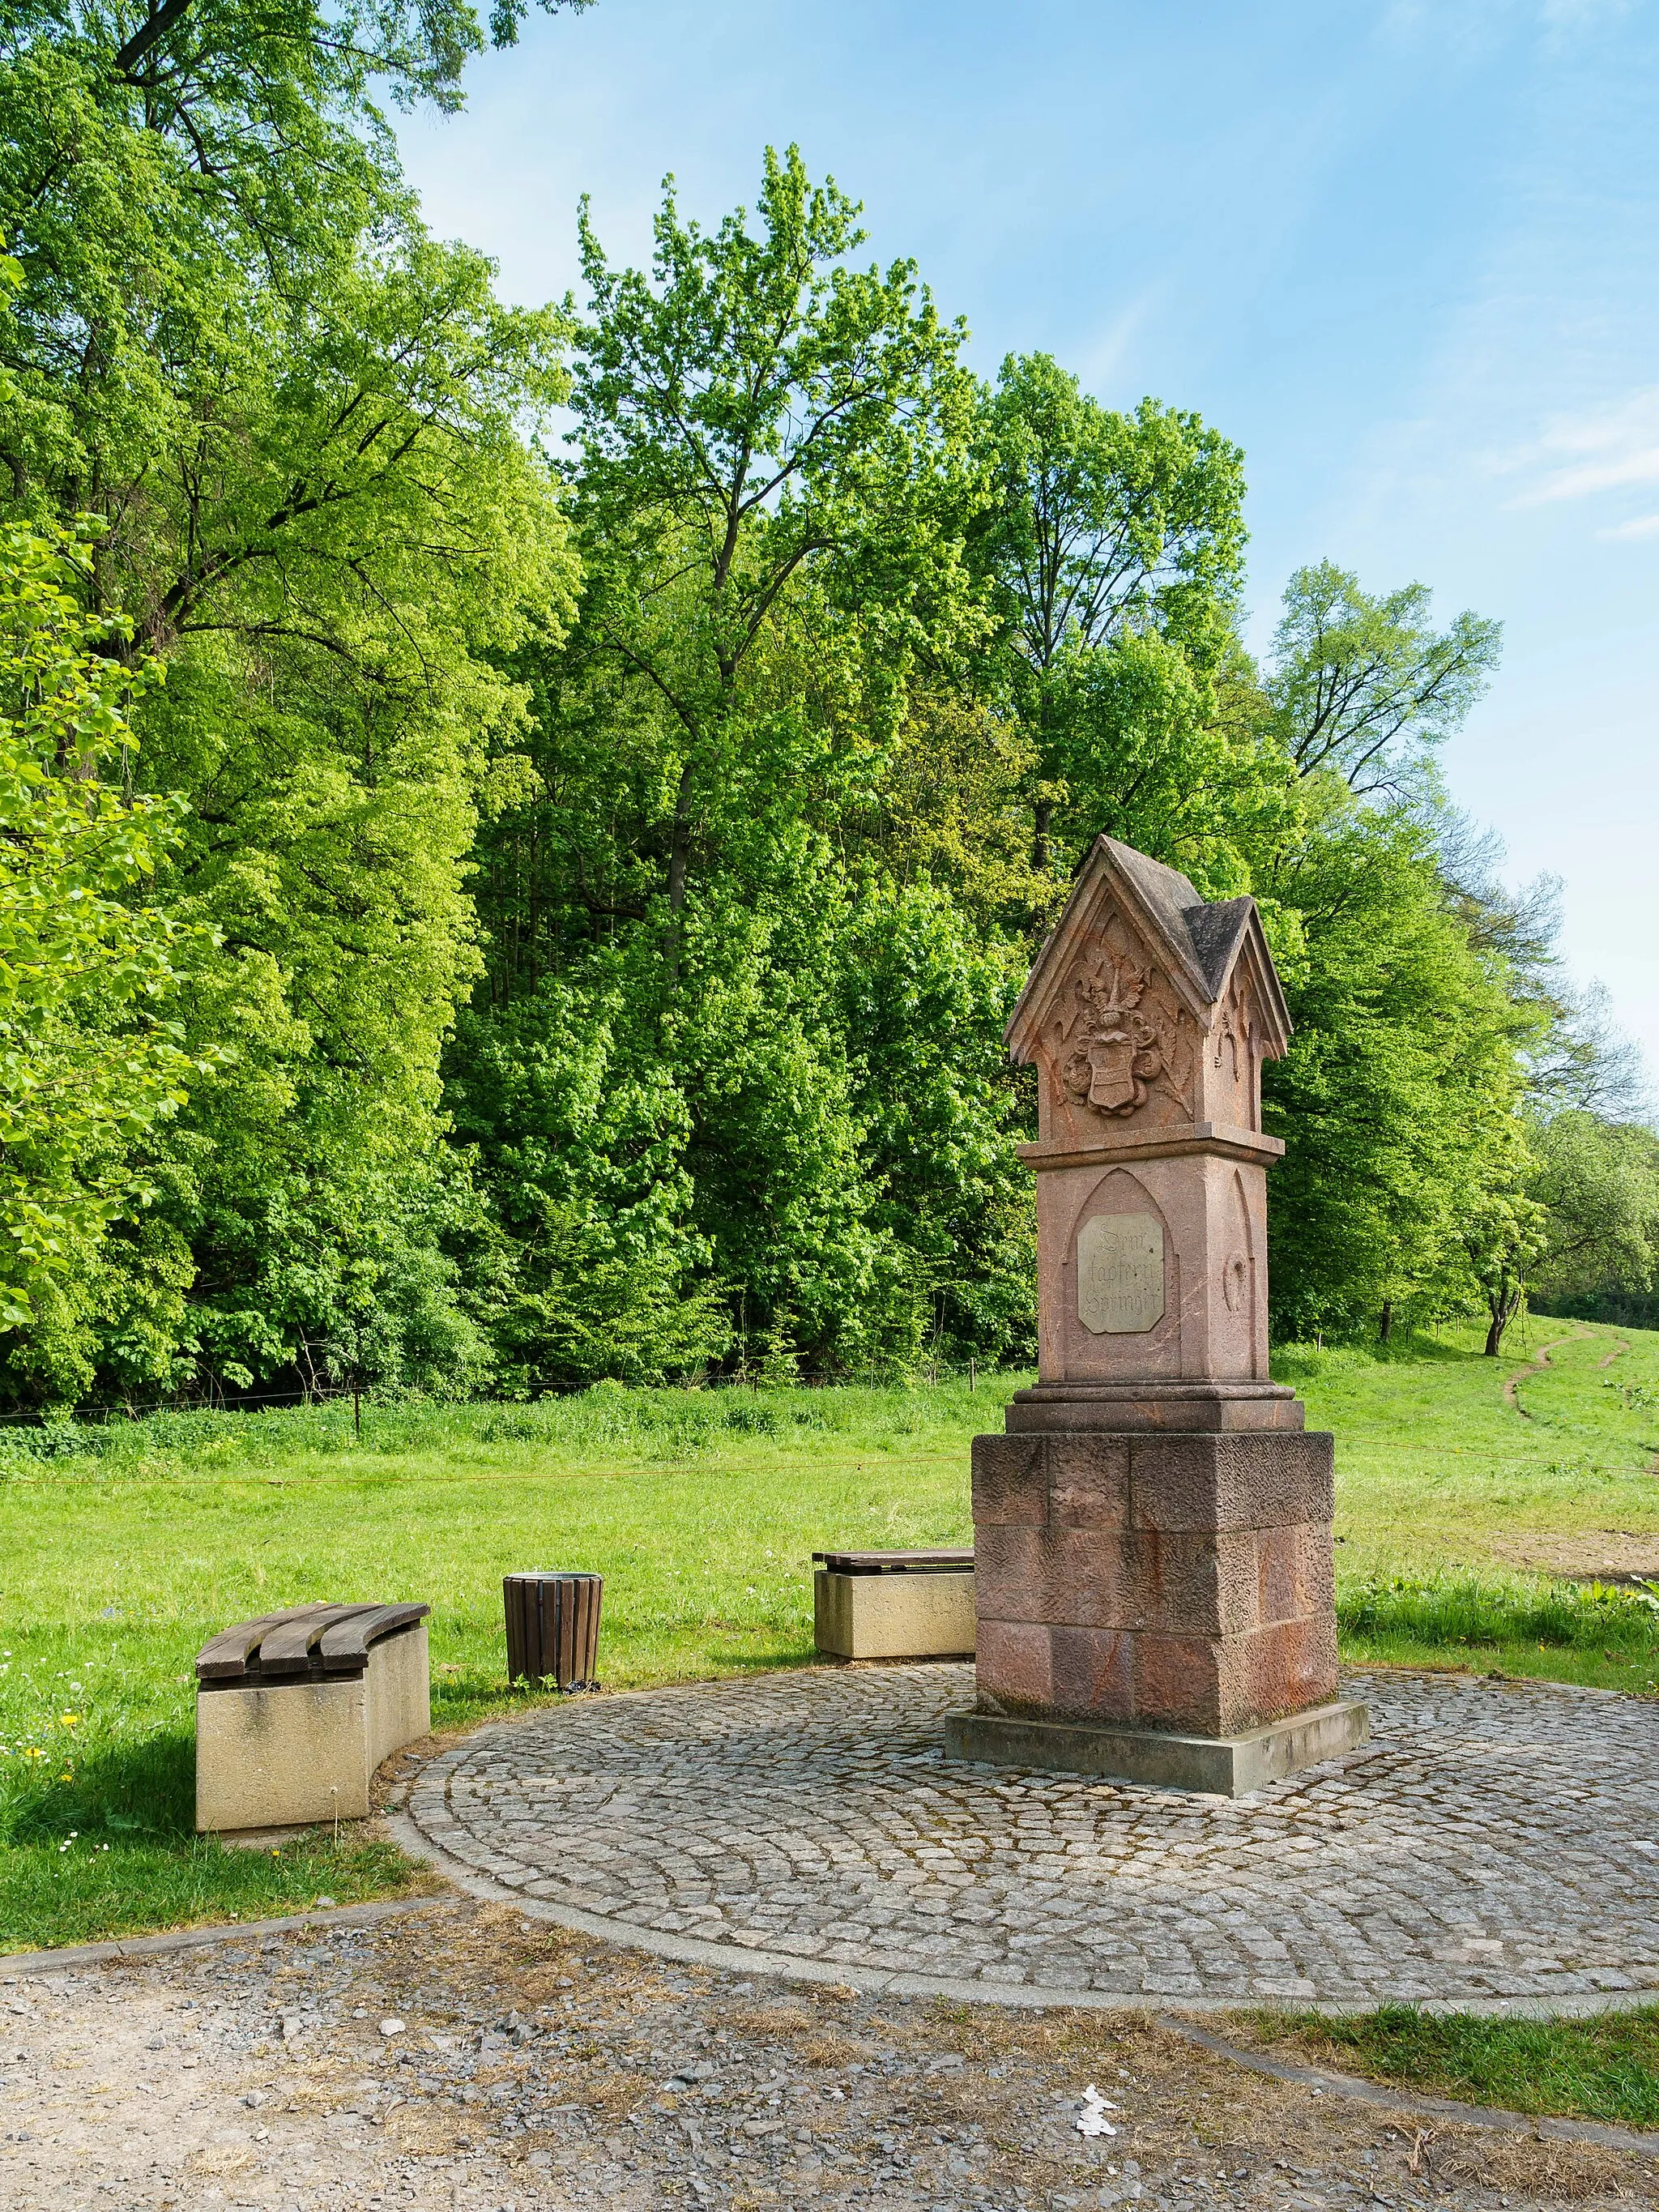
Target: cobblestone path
(1494, 1840)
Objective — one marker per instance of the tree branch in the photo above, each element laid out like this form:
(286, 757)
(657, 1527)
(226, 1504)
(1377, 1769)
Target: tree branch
(148, 34)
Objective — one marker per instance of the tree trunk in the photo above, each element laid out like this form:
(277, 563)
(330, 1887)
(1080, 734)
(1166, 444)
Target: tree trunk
(1385, 1327)
(1042, 816)
(1503, 1308)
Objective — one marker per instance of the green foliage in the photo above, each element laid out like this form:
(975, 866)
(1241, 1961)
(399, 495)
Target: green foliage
(1598, 1186)
(1363, 687)
(303, 424)
(1399, 1100)
(605, 881)
(92, 1054)
(765, 433)
(736, 1089)
(1106, 534)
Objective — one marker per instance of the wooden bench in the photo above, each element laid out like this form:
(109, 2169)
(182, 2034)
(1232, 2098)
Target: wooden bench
(294, 1711)
(894, 1605)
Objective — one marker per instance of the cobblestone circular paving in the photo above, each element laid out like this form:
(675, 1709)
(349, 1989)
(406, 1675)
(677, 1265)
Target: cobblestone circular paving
(1494, 1841)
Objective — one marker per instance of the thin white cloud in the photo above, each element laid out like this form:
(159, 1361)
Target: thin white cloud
(1644, 525)
(1608, 448)
(1104, 354)
(1474, 26)
(1581, 14)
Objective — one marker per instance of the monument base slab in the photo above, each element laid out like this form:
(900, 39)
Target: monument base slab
(1212, 1408)
(1221, 1766)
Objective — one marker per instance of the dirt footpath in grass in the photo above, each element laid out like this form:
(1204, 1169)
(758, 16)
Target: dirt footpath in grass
(536, 2069)
(1605, 1555)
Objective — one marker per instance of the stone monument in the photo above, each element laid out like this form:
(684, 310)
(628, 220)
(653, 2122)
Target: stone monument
(1152, 1534)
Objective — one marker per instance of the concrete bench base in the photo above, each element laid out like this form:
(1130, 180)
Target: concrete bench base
(893, 1616)
(290, 1754)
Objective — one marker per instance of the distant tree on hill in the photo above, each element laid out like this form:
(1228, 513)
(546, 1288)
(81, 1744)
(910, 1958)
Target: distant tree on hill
(1362, 686)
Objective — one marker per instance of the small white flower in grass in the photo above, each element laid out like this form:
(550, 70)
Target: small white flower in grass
(1092, 2120)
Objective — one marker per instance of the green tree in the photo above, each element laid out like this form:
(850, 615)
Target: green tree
(1399, 1100)
(759, 426)
(700, 1064)
(92, 1051)
(179, 180)
(1362, 686)
(1598, 1185)
(303, 423)
(1105, 531)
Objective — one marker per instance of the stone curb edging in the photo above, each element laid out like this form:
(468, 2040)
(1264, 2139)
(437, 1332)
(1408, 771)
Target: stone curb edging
(1491, 2116)
(743, 1959)
(18, 1964)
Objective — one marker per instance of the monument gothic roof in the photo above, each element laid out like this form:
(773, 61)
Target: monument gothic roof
(1200, 943)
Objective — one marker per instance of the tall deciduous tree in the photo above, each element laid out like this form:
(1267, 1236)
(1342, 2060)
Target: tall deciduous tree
(1362, 685)
(1105, 530)
(302, 423)
(1598, 1184)
(1399, 1100)
(756, 421)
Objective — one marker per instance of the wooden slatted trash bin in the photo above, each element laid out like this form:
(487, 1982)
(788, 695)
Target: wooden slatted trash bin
(553, 1628)
(295, 1711)
(894, 1605)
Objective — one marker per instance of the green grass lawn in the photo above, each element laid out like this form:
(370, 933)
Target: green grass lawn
(122, 1549)
(1605, 2068)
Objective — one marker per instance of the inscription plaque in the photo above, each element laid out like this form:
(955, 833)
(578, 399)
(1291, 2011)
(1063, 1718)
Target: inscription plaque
(1120, 1274)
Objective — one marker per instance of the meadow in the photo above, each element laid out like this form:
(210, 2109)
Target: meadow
(123, 1547)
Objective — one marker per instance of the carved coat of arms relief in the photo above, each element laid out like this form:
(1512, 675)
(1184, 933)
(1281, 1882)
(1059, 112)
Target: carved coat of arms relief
(1118, 1041)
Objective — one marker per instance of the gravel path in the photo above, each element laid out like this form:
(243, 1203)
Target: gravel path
(540, 2071)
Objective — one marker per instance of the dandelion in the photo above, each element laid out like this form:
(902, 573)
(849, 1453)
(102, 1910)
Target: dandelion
(69, 1720)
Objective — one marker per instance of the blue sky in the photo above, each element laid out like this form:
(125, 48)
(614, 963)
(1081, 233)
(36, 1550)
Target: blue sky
(1402, 251)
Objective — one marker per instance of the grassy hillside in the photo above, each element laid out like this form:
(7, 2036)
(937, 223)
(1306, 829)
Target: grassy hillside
(1488, 1511)
(121, 1549)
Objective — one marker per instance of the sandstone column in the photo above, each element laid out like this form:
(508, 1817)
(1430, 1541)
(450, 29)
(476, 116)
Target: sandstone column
(1152, 1534)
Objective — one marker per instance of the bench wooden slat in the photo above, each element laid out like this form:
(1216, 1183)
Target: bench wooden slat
(335, 1636)
(887, 1563)
(227, 1654)
(344, 1644)
(286, 1649)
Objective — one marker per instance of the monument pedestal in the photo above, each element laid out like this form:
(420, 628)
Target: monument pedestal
(1156, 1604)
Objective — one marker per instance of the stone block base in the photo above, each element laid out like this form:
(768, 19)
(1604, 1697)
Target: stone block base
(893, 1616)
(1180, 1583)
(288, 1755)
(1225, 1766)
